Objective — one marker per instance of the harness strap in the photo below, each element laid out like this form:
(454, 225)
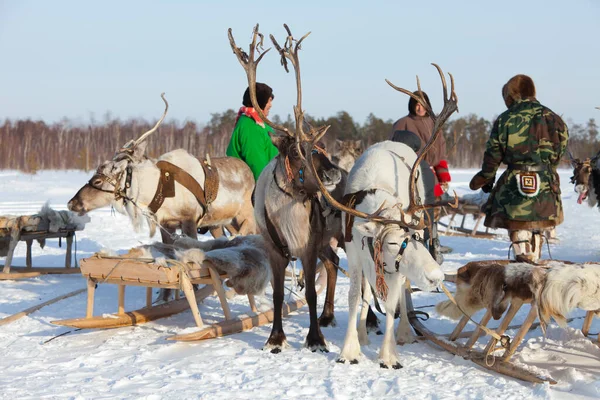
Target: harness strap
(351, 200)
(279, 243)
(171, 173)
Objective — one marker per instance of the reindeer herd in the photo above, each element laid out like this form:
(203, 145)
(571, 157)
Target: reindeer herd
(368, 203)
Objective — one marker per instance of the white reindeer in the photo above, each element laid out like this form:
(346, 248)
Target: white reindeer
(386, 183)
(130, 180)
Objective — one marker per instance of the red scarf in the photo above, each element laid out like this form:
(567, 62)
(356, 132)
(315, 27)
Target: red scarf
(252, 113)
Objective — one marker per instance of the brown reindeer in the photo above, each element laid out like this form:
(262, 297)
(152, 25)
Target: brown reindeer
(346, 152)
(290, 212)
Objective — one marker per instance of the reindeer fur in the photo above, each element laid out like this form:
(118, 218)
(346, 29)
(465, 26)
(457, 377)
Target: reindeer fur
(557, 288)
(243, 258)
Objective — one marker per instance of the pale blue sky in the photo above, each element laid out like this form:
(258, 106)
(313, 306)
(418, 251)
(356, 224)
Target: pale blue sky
(73, 58)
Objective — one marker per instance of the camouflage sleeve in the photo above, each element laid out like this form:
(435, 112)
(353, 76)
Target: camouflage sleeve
(491, 161)
(494, 153)
(562, 133)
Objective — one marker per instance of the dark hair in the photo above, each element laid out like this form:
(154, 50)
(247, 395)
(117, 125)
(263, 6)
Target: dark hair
(263, 94)
(412, 103)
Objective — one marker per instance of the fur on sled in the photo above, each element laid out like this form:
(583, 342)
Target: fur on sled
(556, 288)
(243, 258)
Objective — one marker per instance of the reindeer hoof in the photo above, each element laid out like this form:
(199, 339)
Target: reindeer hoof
(327, 321)
(397, 365)
(321, 347)
(343, 361)
(276, 350)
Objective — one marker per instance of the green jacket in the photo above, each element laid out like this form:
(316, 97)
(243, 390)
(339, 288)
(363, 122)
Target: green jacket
(252, 144)
(526, 134)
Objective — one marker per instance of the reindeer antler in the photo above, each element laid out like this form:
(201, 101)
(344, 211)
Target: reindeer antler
(289, 51)
(151, 131)
(127, 147)
(249, 64)
(450, 106)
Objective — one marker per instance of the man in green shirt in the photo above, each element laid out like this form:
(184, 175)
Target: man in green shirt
(251, 140)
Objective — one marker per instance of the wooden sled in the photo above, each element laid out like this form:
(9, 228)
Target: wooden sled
(484, 358)
(143, 272)
(464, 210)
(25, 228)
(493, 357)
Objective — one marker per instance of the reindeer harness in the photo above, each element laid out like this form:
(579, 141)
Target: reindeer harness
(118, 192)
(171, 173)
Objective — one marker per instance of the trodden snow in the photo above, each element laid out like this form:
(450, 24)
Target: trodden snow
(138, 362)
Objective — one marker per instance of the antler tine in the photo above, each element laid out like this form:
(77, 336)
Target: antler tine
(249, 64)
(450, 105)
(420, 98)
(290, 52)
(151, 131)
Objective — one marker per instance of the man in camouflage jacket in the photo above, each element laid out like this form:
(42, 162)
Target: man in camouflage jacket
(530, 139)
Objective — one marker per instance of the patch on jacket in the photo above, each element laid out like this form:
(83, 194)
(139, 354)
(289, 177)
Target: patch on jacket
(528, 183)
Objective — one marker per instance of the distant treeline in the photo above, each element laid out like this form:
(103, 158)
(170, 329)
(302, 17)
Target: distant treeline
(34, 145)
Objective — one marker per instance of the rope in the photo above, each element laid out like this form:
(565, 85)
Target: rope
(503, 339)
(380, 284)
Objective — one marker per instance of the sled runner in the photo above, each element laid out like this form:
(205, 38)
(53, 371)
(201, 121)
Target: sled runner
(499, 349)
(48, 224)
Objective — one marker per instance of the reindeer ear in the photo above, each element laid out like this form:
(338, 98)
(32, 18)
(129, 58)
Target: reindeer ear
(369, 229)
(139, 150)
(281, 142)
(121, 165)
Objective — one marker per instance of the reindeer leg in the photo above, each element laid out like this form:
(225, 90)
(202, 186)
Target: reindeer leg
(315, 339)
(404, 334)
(166, 235)
(388, 355)
(331, 261)
(190, 229)
(372, 322)
(351, 349)
(277, 340)
(363, 329)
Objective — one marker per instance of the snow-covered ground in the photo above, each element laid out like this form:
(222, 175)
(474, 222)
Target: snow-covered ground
(137, 362)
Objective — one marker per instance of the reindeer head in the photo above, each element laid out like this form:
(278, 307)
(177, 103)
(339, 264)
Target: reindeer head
(402, 250)
(346, 153)
(298, 149)
(112, 179)
(582, 171)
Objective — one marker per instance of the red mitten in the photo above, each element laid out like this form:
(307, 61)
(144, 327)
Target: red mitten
(438, 190)
(442, 172)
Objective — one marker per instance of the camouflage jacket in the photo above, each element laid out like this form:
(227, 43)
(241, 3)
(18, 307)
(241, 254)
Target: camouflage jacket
(526, 134)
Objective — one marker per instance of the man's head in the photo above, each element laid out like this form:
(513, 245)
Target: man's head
(517, 88)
